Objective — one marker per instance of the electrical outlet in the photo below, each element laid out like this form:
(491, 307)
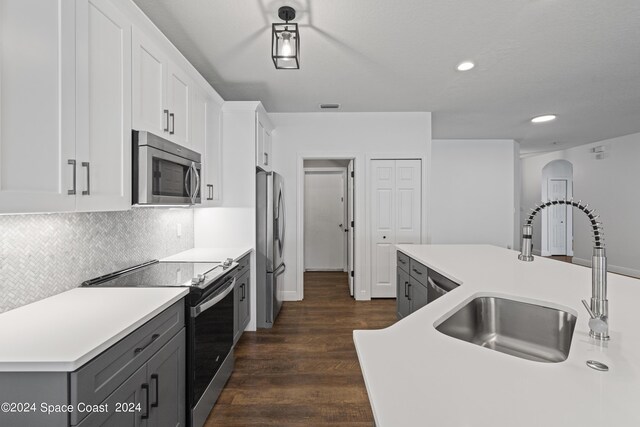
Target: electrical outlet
(179, 230)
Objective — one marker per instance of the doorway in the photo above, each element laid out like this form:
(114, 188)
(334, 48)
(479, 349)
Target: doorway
(557, 221)
(328, 217)
(324, 219)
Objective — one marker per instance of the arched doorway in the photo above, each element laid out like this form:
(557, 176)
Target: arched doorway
(557, 221)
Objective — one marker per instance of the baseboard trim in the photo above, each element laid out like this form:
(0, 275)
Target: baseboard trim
(610, 268)
(290, 296)
(536, 252)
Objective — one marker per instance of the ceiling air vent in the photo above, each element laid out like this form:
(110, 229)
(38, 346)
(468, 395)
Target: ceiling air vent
(329, 106)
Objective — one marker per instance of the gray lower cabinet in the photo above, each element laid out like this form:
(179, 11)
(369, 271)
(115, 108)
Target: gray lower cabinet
(124, 406)
(137, 382)
(412, 285)
(242, 298)
(403, 301)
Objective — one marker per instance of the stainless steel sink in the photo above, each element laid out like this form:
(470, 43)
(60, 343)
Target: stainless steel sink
(524, 330)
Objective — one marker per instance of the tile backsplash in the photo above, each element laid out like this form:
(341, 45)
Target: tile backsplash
(43, 255)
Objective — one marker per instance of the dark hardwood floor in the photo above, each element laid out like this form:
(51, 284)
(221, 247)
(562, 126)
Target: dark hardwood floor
(304, 371)
(563, 258)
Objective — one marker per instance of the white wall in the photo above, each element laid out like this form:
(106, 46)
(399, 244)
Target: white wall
(473, 192)
(341, 135)
(609, 185)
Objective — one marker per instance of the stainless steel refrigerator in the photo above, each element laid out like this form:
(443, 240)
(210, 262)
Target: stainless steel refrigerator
(270, 229)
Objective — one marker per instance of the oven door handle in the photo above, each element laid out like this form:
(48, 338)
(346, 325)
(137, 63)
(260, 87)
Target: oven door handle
(199, 309)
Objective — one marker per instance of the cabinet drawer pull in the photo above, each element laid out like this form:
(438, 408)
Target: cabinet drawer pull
(72, 162)
(140, 349)
(173, 123)
(156, 378)
(417, 272)
(145, 387)
(166, 120)
(87, 192)
(402, 261)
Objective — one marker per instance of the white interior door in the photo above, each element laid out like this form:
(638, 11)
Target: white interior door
(383, 189)
(557, 218)
(324, 220)
(408, 200)
(396, 195)
(350, 226)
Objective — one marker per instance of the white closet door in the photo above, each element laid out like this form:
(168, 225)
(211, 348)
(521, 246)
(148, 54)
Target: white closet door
(383, 208)
(408, 201)
(396, 212)
(557, 218)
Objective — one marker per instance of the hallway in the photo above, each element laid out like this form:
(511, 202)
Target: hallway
(304, 371)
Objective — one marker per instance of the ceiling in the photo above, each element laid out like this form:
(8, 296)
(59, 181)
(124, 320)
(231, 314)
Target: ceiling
(579, 59)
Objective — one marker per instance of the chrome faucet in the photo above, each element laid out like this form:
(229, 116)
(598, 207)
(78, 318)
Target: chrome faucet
(599, 308)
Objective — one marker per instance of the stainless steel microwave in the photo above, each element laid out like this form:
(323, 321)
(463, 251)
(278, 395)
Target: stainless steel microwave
(164, 173)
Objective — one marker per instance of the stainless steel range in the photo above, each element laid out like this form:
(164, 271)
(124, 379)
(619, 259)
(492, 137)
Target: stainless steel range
(209, 317)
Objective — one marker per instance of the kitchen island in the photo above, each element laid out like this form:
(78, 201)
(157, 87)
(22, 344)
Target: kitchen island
(416, 375)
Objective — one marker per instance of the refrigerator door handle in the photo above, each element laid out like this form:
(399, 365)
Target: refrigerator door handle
(281, 230)
(280, 270)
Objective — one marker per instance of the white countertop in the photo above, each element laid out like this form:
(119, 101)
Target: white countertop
(65, 331)
(208, 255)
(416, 375)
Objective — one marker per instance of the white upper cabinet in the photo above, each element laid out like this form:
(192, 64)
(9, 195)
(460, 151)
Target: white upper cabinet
(178, 105)
(103, 138)
(161, 92)
(37, 105)
(149, 83)
(263, 140)
(76, 76)
(212, 181)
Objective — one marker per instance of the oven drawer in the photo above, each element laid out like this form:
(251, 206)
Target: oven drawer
(96, 380)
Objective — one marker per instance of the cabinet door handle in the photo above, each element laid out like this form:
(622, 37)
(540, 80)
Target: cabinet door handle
(166, 120)
(156, 378)
(266, 158)
(243, 293)
(173, 123)
(140, 349)
(210, 188)
(72, 162)
(87, 192)
(145, 387)
(409, 292)
(406, 289)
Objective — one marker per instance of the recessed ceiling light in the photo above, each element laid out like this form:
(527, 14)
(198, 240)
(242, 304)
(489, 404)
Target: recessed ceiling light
(465, 66)
(543, 119)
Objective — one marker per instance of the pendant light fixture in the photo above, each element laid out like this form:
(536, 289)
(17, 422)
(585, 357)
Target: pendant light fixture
(285, 41)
